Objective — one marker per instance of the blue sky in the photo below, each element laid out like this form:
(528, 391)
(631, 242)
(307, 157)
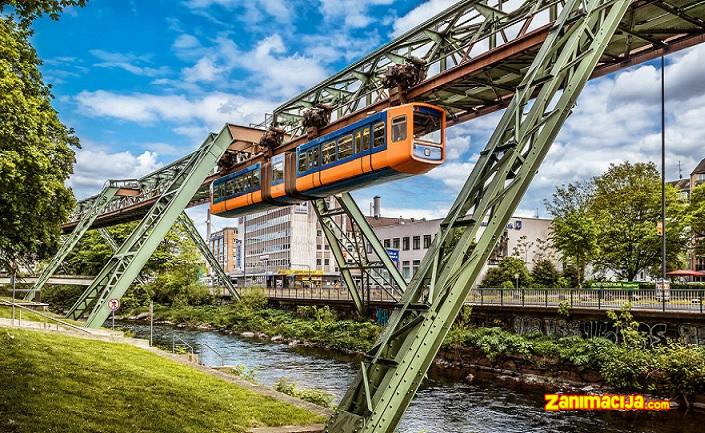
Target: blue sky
(143, 82)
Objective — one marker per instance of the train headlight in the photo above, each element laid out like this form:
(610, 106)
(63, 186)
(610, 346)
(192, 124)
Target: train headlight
(427, 152)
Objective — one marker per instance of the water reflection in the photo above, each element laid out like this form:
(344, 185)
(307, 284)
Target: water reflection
(440, 406)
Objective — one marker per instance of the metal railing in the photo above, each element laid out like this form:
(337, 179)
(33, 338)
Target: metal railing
(218, 354)
(676, 300)
(320, 293)
(177, 341)
(45, 316)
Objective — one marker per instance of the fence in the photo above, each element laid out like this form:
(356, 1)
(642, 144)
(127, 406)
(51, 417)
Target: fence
(680, 300)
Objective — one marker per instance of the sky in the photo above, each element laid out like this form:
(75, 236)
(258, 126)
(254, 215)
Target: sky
(143, 82)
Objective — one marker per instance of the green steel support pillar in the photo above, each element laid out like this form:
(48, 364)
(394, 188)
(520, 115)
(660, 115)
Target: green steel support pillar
(395, 367)
(105, 234)
(97, 207)
(116, 276)
(187, 224)
(350, 249)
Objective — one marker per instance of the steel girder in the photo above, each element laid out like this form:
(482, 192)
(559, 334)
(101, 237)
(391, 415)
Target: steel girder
(350, 250)
(395, 367)
(91, 210)
(479, 50)
(191, 230)
(116, 276)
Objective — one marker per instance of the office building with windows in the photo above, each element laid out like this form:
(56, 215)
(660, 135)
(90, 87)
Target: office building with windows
(225, 246)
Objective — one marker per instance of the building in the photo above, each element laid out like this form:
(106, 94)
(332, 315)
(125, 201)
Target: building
(285, 245)
(685, 186)
(225, 246)
(410, 238)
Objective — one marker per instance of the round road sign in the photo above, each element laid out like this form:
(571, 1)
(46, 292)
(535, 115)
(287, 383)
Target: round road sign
(114, 304)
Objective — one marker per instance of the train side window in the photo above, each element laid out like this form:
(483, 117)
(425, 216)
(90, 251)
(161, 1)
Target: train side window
(399, 128)
(277, 171)
(303, 161)
(313, 157)
(379, 134)
(345, 146)
(366, 139)
(328, 152)
(255, 180)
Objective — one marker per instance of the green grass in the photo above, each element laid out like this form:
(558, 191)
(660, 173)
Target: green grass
(55, 383)
(6, 313)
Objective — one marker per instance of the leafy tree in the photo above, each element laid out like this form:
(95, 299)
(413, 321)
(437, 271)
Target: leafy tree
(522, 248)
(696, 217)
(545, 274)
(627, 207)
(26, 11)
(36, 155)
(506, 271)
(574, 231)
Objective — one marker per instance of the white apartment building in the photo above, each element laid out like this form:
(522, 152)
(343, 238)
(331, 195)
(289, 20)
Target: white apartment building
(283, 245)
(412, 238)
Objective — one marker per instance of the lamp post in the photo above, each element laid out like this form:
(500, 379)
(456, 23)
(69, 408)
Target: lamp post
(516, 277)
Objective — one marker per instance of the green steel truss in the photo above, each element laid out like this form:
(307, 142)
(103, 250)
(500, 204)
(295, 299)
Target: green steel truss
(392, 371)
(85, 216)
(349, 245)
(191, 230)
(116, 276)
(468, 32)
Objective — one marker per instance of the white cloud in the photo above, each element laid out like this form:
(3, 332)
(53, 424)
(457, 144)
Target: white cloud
(253, 11)
(94, 166)
(129, 62)
(350, 13)
(205, 70)
(421, 13)
(212, 110)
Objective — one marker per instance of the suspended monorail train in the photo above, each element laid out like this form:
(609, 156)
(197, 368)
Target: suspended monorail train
(395, 143)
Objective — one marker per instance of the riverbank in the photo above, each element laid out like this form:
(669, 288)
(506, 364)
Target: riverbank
(53, 382)
(673, 371)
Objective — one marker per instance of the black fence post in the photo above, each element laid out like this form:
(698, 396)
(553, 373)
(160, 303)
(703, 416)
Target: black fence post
(501, 297)
(522, 297)
(663, 299)
(599, 299)
(701, 300)
(482, 297)
(546, 297)
(571, 297)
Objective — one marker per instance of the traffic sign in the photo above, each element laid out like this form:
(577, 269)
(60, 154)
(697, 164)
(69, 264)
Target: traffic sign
(114, 304)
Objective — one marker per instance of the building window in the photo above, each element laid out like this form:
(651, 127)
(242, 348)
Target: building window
(318, 246)
(417, 242)
(426, 241)
(405, 270)
(318, 262)
(327, 262)
(405, 244)
(386, 243)
(395, 243)
(417, 263)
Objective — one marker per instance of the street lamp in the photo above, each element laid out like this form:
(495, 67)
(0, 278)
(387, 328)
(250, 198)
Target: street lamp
(516, 277)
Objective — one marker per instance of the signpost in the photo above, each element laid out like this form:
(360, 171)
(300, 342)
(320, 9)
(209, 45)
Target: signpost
(113, 304)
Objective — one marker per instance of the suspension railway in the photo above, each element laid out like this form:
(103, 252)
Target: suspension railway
(531, 59)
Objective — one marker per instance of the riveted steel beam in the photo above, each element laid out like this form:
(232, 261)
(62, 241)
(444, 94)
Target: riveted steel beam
(116, 276)
(393, 370)
(349, 244)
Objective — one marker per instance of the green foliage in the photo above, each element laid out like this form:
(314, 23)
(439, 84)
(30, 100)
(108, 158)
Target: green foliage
(575, 231)
(36, 155)
(56, 383)
(564, 308)
(241, 370)
(507, 269)
(26, 11)
(627, 327)
(60, 298)
(696, 217)
(315, 396)
(627, 207)
(508, 285)
(545, 274)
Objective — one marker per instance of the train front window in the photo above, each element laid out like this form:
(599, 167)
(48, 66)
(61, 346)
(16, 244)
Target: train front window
(277, 169)
(328, 151)
(427, 127)
(378, 134)
(303, 161)
(399, 128)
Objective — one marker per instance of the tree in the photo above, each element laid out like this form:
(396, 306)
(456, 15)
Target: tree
(545, 274)
(574, 231)
(506, 271)
(627, 207)
(26, 11)
(696, 218)
(36, 154)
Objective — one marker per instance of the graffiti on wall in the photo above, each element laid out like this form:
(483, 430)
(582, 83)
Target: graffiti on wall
(655, 333)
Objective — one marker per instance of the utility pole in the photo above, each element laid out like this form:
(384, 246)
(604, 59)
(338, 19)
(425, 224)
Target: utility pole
(663, 171)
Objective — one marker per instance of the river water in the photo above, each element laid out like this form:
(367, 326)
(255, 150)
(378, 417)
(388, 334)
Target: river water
(441, 405)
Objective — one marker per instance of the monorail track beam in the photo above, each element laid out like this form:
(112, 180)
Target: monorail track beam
(395, 367)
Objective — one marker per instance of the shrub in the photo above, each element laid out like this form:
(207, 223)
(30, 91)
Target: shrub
(315, 396)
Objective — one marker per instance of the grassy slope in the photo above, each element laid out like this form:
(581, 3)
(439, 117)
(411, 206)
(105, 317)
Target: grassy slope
(54, 383)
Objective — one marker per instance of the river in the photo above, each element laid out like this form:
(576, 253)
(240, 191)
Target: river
(441, 405)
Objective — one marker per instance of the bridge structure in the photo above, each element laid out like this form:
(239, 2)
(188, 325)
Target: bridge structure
(529, 58)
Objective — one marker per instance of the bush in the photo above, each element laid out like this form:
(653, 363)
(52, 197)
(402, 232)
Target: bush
(315, 396)
(60, 298)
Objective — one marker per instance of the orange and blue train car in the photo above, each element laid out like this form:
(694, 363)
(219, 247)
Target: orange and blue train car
(398, 142)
